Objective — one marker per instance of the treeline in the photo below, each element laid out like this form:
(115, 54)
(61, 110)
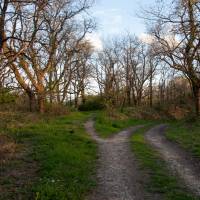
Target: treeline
(129, 73)
(45, 54)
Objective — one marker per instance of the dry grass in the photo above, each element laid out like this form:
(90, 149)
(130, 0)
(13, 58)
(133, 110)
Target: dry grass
(8, 149)
(17, 169)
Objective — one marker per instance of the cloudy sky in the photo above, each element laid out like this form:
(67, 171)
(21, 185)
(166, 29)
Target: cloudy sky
(115, 17)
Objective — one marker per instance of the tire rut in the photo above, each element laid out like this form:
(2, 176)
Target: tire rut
(178, 159)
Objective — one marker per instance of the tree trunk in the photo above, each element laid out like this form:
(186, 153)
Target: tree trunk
(58, 96)
(151, 90)
(83, 99)
(139, 97)
(123, 104)
(50, 88)
(128, 96)
(134, 99)
(76, 102)
(31, 101)
(196, 91)
(4, 8)
(41, 103)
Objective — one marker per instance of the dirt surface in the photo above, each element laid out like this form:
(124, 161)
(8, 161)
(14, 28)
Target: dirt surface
(17, 170)
(118, 175)
(178, 159)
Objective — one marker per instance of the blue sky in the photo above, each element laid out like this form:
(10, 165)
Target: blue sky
(115, 17)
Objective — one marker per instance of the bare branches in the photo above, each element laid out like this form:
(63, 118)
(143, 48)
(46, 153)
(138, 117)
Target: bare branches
(177, 40)
(40, 42)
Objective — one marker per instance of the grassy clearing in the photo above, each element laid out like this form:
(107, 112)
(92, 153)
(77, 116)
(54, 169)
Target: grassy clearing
(187, 134)
(159, 178)
(64, 154)
(107, 126)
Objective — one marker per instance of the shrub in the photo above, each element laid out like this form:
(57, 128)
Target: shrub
(92, 103)
(6, 96)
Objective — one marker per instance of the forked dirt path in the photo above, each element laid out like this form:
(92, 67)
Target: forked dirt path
(179, 161)
(117, 174)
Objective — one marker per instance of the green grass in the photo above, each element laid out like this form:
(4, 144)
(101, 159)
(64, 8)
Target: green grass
(107, 126)
(160, 179)
(187, 134)
(65, 155)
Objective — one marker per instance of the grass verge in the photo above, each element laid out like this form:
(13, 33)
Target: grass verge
(64, 153)
(160, 180)
(107, 126)
(187, 135)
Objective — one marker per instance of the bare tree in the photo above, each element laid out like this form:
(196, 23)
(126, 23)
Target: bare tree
(123, 70)
(138, 68)
(177, 40)
(42, 30)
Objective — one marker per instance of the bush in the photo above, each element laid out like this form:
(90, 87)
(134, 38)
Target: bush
(6, 96)
(92, 103)
(147, 113)
(56, 109)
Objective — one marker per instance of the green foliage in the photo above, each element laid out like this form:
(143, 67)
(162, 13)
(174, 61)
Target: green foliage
(187, 134)
(65, 154)
(107, 126)
(93, 103)
(6, 96)
(160, 180)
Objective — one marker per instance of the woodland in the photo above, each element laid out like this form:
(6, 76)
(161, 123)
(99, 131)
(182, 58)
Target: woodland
(53, 80)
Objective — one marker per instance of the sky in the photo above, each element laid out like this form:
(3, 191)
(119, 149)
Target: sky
(117, 17)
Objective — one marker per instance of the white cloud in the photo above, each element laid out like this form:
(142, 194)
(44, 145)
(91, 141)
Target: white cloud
(169, 38)
(146, 38)
(95, 40)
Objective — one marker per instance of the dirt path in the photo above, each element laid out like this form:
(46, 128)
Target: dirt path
(118, 175)
(179, 160)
